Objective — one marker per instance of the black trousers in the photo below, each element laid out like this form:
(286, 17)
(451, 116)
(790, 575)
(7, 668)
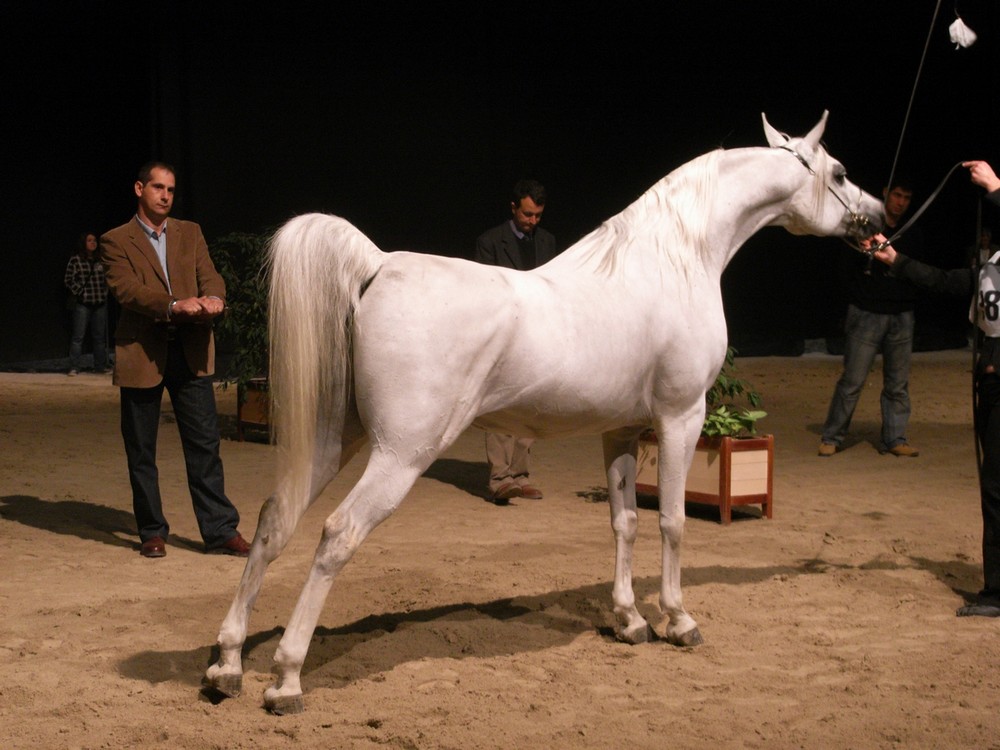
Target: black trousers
(988, 430)
(193, 399)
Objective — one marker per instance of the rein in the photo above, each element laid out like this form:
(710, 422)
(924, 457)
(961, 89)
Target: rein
(916, 215)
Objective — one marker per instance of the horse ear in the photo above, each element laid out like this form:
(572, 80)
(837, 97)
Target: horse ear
(817, 132)
(774, 138)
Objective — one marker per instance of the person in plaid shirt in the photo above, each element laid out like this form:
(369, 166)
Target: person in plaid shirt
(85, 279)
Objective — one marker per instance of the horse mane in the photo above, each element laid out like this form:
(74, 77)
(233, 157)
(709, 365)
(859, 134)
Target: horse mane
(819, 168)
(670, 219)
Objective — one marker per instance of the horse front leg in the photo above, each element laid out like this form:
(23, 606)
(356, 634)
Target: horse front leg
(620, 449)
(376, 495)
(276, 523)
(676, 449)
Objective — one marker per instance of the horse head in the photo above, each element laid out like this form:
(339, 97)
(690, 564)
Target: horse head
(837, 206)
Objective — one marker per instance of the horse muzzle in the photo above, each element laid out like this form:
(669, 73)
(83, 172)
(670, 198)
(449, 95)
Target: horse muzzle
(860, 227)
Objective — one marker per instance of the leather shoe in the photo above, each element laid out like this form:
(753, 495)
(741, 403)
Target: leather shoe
(827, 449)
(904, 450)
(155, 547)
(505, 492)
(531, 493)
(237, 547)
(978, 610)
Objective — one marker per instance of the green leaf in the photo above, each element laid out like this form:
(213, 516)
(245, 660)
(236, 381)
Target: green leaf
(727, 402)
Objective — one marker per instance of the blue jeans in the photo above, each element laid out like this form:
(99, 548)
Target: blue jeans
(868, 334)
(97, 317)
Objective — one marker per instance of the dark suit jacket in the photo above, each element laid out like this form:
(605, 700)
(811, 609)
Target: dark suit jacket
(499, 247)
(135, 277)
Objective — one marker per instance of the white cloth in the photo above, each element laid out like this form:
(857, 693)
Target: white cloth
(961, 35)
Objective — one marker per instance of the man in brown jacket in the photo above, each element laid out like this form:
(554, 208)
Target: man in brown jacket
(160, 272)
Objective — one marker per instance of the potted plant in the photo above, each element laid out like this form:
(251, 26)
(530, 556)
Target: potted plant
(240, 258)
(732, 464)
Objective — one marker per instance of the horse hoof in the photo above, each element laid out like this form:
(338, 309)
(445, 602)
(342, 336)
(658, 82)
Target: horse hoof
(636, 634)
(285, 704)
(229, 685)
(688, 639)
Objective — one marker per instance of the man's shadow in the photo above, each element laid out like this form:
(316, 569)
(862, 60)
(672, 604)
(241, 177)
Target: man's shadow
(86, 520)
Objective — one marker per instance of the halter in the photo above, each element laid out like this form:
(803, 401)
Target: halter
(859, 224)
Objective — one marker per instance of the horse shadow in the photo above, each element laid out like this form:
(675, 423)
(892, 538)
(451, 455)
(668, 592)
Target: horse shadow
(90, 521)
(699, 511)
(376, 644)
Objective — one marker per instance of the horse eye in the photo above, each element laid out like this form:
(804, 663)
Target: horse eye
(840, 176)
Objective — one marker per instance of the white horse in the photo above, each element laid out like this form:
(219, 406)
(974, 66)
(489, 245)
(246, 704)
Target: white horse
(622, 331)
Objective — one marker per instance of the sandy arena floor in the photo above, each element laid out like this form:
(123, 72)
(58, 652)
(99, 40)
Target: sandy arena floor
(463, 625)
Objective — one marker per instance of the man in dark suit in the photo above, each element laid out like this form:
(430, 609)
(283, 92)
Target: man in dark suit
(521, 244)
(160, 272)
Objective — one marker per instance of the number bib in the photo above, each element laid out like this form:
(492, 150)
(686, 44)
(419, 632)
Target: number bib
(985, 311)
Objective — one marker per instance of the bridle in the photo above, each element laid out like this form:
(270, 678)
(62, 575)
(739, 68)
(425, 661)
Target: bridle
(859, 226)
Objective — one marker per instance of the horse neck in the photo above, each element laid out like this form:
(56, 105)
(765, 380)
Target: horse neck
(694, 219)
(745, 202)
(665, 227)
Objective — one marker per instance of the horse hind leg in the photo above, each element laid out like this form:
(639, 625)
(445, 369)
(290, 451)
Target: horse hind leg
(377, 494)
(276, 523)
(278, 518)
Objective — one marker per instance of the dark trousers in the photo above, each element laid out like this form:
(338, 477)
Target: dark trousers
(193, 400)
(988, 430)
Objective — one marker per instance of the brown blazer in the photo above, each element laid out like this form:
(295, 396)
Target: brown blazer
(135, 278)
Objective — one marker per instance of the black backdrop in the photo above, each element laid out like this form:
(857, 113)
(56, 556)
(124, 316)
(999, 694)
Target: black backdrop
(413, 123)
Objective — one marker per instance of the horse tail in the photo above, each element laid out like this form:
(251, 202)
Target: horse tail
(319, 266)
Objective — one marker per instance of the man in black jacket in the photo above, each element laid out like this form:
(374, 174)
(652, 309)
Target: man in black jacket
(984, 283)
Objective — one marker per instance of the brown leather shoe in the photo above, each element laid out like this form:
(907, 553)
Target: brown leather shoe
(154, 547)
(237, 547)
(531, 493)
(904, 450)
(505, 492)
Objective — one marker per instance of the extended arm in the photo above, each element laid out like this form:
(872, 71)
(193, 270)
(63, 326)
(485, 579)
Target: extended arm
(956, 281)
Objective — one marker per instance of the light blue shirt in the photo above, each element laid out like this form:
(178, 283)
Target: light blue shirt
(517, 232)
(159, 242)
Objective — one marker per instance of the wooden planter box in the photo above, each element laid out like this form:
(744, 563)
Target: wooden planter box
(252, 402)
(725, 471)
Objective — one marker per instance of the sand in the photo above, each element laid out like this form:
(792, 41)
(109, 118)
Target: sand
(460, 624)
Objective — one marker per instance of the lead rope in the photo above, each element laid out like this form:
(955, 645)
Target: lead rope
(917, 214)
